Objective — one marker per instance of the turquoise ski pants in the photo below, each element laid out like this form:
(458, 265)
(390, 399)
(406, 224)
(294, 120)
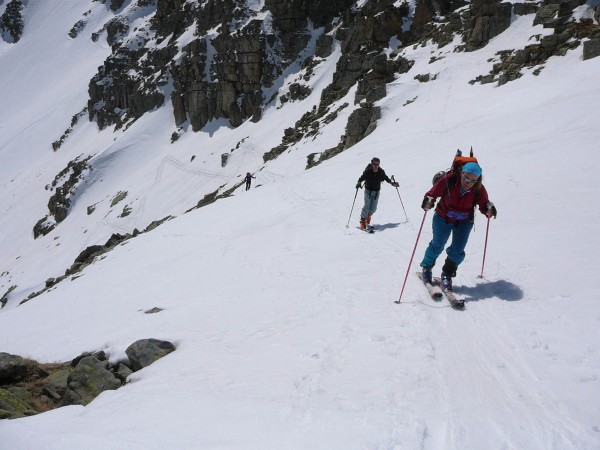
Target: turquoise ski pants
(441, 232)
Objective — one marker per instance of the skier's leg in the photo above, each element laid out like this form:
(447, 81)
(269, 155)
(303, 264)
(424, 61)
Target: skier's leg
(460, 237)
(374, 202)
(367, 208)
(441, 233)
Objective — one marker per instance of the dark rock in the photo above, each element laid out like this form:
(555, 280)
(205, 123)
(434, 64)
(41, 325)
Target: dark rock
(126, 86)
(88, 379)
(11, 22)
(4, 298)
(144, 352)
(51, 393)
(550, 15)
(522, 9)
(12, 368)
(101, 356)
(299, 92)
(122, 372)
(116, 29)
(488, 18)
(65, 183)
(77, 28)
(361, 123)
(11, 406)
(324, 46)
(57, 379)
(116, 4)
(89, 253)
(115, 239)
(591, 48)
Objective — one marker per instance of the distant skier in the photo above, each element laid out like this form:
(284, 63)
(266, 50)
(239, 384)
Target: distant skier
(248, 180)
(373, 176)
(460, 193)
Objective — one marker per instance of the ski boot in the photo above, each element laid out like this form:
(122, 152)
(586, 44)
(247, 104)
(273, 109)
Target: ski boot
(427, 276)
(446, 281)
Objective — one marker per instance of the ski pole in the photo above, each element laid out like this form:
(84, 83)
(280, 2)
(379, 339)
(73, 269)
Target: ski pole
(411, 257)
(487, 229)
(405, 215)
(352, 209)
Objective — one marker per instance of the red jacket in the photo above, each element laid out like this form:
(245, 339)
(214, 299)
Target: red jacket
(454, 207)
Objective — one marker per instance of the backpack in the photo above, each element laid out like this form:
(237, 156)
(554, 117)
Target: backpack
(455, 169)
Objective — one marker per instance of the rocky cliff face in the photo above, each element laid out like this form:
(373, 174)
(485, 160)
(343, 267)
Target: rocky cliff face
(237, 52)
(215, 59)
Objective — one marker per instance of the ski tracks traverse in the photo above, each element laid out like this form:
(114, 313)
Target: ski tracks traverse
(481, 364)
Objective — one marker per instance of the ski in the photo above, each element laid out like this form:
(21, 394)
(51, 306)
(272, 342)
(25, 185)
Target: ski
(434, 290)
(369, 229)
(455, 302)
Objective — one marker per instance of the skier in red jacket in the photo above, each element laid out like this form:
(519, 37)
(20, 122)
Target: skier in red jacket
(460, 193)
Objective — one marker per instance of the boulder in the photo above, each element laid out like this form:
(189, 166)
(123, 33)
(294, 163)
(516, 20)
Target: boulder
(12, 368)
(144, 352)
(591, 48)
(88, 380)
(12, 406)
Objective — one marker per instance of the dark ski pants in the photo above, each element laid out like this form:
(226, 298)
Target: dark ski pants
(371, 200)
(441, 232)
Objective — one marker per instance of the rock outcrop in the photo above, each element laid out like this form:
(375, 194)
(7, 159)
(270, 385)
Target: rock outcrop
(64, 186)
(28, 387)
(11, 22)
(234, 56)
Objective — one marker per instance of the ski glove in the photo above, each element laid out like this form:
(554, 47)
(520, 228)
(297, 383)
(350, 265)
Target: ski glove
(395, 184)
(358, 185)
(491, 210)
(428, 203)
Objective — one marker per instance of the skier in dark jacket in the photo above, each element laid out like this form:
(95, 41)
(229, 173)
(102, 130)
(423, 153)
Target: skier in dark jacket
(373, 176)
(248, 180)
(460, 194)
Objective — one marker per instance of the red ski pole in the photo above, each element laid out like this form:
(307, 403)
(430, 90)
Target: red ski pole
(411, 257)
(485, 246)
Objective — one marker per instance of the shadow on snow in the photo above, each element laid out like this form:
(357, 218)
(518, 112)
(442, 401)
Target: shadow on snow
(502, 289)
(385, 226)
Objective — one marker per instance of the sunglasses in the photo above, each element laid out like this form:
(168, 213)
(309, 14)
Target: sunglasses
(375, 164)
(468, 180)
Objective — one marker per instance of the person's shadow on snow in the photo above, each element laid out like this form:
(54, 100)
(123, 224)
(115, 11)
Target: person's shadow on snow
(385, 226)
(504, 290)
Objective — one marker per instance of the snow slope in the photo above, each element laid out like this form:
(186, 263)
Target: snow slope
(286, 328)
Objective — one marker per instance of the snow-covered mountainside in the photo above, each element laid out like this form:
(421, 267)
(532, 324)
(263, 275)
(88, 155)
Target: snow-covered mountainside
(126, 130)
